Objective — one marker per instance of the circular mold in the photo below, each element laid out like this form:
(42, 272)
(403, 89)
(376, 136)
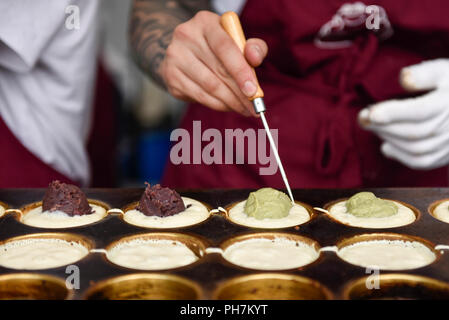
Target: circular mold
(42, 251)
(271, 251)
(302, 214)
(155, 251)
(440, 210)
(336, 211)
(32, 216)
(3, 207)
(397, 287)
(29, 286)
(143, 286)
(272, 286)
(196, 212)
(387, 251)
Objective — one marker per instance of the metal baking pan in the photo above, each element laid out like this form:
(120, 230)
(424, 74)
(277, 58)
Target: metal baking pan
(212, 277)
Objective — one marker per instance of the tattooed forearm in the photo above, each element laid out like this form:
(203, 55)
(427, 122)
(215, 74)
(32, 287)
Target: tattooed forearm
(151, 28)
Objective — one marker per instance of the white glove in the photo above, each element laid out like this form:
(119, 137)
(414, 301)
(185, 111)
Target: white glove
(415, 131)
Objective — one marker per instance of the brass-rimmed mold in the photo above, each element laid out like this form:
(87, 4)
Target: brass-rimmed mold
(15, 212)
(37, 204)
(133, 206)
(4, 207)
(145, 286)
(27, 208)
(33, 286)
(271, 286)
(193, 243)
(384, 236)
(367, 237)
(330, 204)
(271, 236)
(309, 208)
(396, 287)
(68, 237)
(433, 206)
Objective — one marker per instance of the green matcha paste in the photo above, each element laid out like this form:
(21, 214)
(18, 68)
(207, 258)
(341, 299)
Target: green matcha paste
(367, 205)
(268, 203)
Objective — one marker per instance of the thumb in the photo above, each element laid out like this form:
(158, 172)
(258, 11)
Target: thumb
(426, 75)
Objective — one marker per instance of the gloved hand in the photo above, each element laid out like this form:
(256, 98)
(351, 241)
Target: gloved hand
(415, 131)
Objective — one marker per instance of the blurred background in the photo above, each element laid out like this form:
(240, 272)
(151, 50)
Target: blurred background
(133, 118)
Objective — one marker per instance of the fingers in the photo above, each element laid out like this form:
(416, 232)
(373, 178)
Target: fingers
(186, 89)
(419, 147)
(415, 131)
(209, 91)
(255, 51)
(209, 60)
(212, 64)
(411, 130)
(428, 161)
(218, 87)
(427, 75)
(407, 110)
(232, 59)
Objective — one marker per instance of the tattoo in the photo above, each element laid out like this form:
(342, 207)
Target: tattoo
(151, 29)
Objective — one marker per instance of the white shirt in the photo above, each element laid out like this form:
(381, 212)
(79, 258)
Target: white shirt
(47, 73)
(221, 6)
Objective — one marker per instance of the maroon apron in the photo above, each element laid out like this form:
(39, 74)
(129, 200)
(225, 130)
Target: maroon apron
(19, 168)
(313, 96)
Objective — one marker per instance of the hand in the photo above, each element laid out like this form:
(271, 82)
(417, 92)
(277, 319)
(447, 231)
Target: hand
(415, 131)
(203, 64)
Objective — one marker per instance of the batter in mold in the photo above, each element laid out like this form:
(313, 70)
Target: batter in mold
(271, 254)
(151, 254)
(268, 208)
(388, 254)
(365, 210)
(164, 208)
(441, 211)
(2, 210)
(63, 206)
(36, 254)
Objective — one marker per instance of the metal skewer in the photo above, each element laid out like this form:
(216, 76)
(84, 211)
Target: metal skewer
(276, 155)
(231, 23)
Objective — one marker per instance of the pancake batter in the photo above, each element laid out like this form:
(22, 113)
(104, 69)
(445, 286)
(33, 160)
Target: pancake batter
(194, 213)
(37, 254)
(441, 211)
(59, 219)
(404, 216)
(151, 254)
(266, 254)
(296, 216)
(388, 254)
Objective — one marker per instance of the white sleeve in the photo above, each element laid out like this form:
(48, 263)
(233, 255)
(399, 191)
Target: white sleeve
(24, 33)
(221, 6)
(47, 84)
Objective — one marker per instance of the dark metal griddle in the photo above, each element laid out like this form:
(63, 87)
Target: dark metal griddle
(212, 270)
